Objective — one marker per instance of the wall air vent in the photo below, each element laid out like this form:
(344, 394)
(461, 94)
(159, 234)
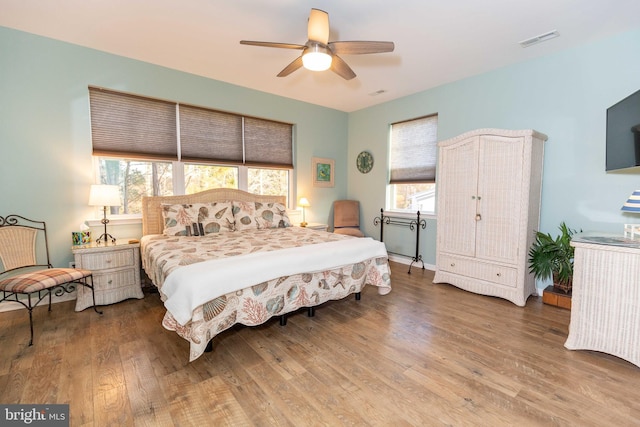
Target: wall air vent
(539, 39)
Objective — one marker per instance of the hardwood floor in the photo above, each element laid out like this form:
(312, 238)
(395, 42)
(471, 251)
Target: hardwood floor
(423, 355)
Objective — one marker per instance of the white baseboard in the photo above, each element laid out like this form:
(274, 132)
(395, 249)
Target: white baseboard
(407, 261)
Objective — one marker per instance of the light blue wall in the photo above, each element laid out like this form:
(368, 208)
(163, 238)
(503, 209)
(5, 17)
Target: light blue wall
(45, 143)
(564, 96)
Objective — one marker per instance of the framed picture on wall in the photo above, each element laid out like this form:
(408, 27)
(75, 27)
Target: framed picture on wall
(323, 171)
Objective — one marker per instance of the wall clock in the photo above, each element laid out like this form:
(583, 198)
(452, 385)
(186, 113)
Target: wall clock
(364, 162)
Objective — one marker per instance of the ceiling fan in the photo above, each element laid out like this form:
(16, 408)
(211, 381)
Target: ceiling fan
(319, 54)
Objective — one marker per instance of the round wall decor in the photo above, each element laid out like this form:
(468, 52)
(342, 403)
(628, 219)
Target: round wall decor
(364, 162)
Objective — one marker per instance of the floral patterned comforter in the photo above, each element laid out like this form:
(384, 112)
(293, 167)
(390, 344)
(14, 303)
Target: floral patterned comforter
(256, 304)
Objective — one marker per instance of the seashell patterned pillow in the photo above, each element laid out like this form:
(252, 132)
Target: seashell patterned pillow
(271, 215)
(244, 214)
(215, 217)
(256, 215)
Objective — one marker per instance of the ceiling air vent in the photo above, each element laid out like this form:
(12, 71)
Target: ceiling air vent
(539, 39)
(378, 92)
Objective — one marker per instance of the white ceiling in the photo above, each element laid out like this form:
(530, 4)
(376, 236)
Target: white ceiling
(437, 41)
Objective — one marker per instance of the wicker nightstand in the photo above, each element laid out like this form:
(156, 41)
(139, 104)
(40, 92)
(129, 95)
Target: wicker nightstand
(317, 226)
(116, 272)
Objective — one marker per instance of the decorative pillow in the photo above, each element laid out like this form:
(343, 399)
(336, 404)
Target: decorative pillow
(271, 215)
(213, 217)
(244, 214)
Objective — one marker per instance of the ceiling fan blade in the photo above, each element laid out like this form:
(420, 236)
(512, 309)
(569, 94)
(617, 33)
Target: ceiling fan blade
(318, 29)
(361, 47)
(270, 44)
(341, 68)
(297, 63)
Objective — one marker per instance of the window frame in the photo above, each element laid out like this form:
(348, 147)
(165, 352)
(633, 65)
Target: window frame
(275, 152)
(408, 213)
(178, 182)
(391, 187)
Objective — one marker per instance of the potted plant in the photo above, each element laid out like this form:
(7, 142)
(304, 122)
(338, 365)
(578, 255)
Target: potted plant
(553, 258)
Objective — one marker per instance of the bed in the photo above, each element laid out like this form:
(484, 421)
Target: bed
(224, 257)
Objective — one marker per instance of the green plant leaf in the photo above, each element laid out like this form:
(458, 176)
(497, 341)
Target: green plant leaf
(551, 257)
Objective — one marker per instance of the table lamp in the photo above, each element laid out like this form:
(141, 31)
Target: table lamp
(304, 203)
(104, 195)
(633, 203)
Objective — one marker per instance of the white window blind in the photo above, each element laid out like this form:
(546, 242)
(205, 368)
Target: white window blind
(413, 151)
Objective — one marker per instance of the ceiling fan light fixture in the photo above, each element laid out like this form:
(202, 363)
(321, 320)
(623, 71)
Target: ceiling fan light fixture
(319, 54)
(316, 57)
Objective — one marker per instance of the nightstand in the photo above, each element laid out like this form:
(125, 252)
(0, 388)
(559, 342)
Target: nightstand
(317, 226)
(116, 272)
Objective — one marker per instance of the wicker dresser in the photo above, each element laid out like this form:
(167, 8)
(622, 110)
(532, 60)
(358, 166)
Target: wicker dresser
(489, 184)
(605, 305)
(116, 272)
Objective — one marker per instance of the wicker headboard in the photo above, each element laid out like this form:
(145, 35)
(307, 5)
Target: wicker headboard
(153, 223)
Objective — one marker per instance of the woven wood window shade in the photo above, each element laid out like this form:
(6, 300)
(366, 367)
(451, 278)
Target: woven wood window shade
(268, 143)
(210, 136)
(413, 151)
(124, 125)
(131, 126)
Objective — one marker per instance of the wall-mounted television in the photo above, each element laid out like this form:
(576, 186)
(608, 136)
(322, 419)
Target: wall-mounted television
(623, 134)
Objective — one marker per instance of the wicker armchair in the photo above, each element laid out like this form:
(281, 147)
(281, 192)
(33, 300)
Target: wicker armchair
(23, 248)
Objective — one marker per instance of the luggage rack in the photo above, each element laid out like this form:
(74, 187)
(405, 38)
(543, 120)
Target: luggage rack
(414, 224)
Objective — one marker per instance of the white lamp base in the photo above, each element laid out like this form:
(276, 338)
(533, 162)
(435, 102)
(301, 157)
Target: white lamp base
(632, 231)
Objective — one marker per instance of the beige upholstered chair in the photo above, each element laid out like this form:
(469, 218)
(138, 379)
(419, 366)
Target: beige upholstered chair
(346, 217)
(24, 272)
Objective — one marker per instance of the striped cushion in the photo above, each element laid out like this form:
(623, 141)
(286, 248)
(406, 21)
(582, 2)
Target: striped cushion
(42, 279)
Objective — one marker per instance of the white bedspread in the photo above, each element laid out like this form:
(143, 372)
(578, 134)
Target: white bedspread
(193, 285)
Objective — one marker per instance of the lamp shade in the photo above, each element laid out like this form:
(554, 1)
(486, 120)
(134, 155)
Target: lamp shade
(633, 203)
(304, 202)
(104, 195)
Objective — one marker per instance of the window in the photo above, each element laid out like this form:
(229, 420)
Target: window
(202, 177)
(156, 147)
(136, 179)
(270, 182)
(412, 178)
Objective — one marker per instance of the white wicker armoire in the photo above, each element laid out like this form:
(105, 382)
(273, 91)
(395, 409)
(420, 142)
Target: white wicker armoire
(489, 184)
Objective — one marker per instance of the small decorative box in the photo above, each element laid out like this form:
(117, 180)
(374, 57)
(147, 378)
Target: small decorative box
(81, 237)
